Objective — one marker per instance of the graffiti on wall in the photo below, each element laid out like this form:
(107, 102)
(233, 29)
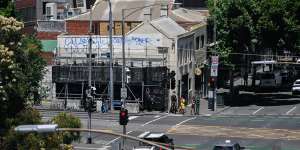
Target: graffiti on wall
(103, 42)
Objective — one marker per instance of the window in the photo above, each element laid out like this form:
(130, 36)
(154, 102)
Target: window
(44, 8)
(79, 3)
(95, 28)
(186, 52)
(190, 50)
(197, 43)
(202, 41)
(48, 11)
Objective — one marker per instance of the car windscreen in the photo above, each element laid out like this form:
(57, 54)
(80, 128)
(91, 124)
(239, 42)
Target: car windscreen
(223, 148)
(297, 82)
(267, 76)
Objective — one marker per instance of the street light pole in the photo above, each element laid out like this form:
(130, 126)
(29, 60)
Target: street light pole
(110, 58)
(89, 139)
(123, 72)
(123, 55)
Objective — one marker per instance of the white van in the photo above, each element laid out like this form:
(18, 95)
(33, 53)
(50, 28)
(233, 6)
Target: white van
(270, 79)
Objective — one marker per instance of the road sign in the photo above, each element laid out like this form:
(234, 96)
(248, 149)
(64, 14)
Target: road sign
(123, 92)
(214, 60)
(214, 70)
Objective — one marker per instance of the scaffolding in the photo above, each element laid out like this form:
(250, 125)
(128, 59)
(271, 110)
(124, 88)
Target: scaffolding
(144, 69)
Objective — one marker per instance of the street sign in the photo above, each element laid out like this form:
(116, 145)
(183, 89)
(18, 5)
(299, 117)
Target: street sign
(214, 60)
(214, 71)
(123, 92)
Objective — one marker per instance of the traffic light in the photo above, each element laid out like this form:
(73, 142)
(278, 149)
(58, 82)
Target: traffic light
(123, 116)
(83, 102)
(92, 106)
(212, 83)
(173, 83)
(173, 80)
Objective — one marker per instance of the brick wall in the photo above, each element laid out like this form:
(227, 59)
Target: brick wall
(77, 27)
(47, 35)
(82, 27)
(25, 3)
(48, 57)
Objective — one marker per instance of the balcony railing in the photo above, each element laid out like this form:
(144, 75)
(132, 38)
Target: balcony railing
(51, 25)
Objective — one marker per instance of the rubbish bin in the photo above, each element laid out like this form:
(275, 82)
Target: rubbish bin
(220, 100)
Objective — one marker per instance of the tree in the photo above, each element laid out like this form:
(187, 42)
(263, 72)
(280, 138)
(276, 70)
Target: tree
(273, 23)
(7, 8)
(18, 141)
(21, 69)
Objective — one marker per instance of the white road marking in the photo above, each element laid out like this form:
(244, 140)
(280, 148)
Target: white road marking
(288, 112)
(184, 121)
(257, 110)
(132, 117)
(89, 148)
(116, 139)
(154, 120)
(156, 116)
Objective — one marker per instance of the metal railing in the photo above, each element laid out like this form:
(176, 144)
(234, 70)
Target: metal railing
(51, 25)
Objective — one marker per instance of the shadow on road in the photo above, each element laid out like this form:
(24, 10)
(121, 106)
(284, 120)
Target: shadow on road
(260, 99)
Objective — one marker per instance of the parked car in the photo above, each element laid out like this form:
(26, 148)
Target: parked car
(296, 87)
(117, 104)
(227, 146)
(156, 137)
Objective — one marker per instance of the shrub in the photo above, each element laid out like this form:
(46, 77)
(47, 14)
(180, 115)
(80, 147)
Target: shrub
(65, 120)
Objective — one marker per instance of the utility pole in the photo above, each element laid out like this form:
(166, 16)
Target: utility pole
(123, 98)
(89, 139)
(110, 58)
(215, 76)
(123, 58)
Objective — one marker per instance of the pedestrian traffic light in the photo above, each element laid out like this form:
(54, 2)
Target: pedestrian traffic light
(212, 83)
(123, 116)
(83, 102)
(92, 105)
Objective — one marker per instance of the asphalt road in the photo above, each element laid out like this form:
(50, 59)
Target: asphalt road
(258, 121)
(255, 132)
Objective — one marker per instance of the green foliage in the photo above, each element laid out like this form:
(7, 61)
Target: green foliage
(273, 23)
(21, 69)
(65, 120)
(36, 141)
(13, 140)
(7, 8)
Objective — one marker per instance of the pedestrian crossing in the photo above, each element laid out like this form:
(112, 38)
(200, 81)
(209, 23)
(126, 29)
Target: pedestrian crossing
(236, 132)
(84, 115)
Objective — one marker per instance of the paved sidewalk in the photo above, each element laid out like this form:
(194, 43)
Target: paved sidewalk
(204, 111)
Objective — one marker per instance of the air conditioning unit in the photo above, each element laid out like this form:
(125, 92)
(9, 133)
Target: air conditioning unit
(74, 11)
(51, 11)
